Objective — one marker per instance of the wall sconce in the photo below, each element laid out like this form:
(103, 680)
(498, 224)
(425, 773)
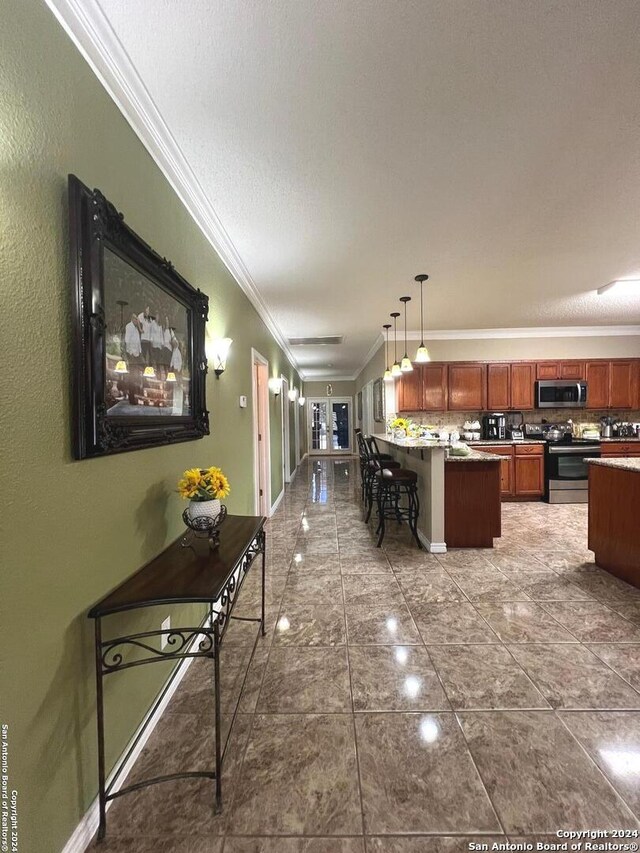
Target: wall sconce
(220, 352)
(293, 394)
(275, 385)
(149, 372)
(121, 367)
(171, 377)
(302, 400)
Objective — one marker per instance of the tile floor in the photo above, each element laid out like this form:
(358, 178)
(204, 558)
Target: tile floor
(403, 702)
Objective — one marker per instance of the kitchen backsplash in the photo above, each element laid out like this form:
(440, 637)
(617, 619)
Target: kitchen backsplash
(583, 419)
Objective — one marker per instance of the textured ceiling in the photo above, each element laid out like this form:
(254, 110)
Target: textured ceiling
(347, 145)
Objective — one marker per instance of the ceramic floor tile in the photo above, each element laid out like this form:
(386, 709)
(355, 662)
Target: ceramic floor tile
(537, 775)
(612, 739)
(310, 625)
(151, 845)
(515, 562)
(388, 624)
(365, 564)
(304, 564)
(523, 622)
(299, 777)
(451, 622)
(412, 767)
(394, 678)
(548, 586)
(294, 845)
(624, 659)
(570, 676)
(487, 585)
(420, 587)
(430, 843)
(306, 680)
(606, 588)
(593, 622)
(484, 677)
(630, 611)
(312, 588)
(371, 589)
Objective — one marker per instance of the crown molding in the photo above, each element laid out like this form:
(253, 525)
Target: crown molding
(526, 332)
(89, 29)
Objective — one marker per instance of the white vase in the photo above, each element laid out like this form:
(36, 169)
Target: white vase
(208, 509)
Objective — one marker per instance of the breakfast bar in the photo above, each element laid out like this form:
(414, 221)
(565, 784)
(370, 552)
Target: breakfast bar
(459, 495)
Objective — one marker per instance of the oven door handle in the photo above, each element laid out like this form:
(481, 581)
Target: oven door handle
(586, 451)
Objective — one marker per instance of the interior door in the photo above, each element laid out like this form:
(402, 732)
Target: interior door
(329, 425)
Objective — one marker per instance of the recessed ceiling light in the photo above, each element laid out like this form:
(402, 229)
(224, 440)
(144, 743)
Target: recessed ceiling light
(627, 284)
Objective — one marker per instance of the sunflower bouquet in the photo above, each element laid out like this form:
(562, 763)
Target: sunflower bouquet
(400, 426)
(203, 484)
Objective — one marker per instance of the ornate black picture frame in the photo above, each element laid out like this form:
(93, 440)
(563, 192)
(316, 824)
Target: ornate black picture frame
(139, 337)
(378, 402)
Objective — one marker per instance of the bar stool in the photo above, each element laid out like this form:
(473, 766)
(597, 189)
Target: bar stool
(369, 464)
(392, 485)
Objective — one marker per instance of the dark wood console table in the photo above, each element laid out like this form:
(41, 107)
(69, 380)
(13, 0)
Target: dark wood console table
(188, 571)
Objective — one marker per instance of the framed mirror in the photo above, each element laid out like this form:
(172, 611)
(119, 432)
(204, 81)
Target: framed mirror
(139, 357)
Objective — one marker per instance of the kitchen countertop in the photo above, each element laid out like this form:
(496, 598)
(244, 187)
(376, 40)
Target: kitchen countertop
(475, 456)
(504, 442)
(632, 464)
(619, 440)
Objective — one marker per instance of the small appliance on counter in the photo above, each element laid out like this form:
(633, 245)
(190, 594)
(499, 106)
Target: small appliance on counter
(515, 426)
(606, 427)
(625, 430)
(494, 427)
(471, 430)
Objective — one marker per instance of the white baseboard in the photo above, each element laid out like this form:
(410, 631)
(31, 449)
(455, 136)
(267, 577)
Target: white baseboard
(276, 503)
(88, 826)
(432, 547)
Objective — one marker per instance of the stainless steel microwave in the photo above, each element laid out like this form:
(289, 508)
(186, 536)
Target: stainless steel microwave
(560, 394)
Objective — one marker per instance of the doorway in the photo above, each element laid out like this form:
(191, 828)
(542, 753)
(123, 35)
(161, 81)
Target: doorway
(286, 438)
(329, 425)
(261, 439)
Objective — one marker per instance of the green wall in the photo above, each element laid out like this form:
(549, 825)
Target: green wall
(73, 530)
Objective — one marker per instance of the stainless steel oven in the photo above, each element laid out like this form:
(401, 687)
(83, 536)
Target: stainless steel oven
(567, 472)
(560, 394)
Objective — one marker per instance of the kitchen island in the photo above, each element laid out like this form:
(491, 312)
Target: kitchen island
(459, 495)
(614, 510)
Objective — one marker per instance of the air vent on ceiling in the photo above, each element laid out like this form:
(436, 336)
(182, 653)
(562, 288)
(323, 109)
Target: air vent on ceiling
(315, 342)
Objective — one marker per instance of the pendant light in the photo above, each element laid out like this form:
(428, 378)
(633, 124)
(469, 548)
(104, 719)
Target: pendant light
(405, 365)
(395, 368)
(387, 373)
(422, 354)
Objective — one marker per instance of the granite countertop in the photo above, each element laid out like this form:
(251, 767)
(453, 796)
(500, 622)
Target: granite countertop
(619, 440)
(419, 443)
(504, 442)
(631, 464)
(476, 456)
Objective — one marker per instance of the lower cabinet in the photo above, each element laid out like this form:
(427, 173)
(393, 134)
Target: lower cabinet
(521, 469)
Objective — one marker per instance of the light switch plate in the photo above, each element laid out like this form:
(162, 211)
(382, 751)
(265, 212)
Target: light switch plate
(243, 402)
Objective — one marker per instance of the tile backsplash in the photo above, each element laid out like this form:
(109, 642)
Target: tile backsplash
(581, 417)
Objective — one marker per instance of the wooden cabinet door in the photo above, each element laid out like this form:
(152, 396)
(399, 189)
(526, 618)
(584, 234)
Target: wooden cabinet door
(467, 387)
(506, 466)
(547, 370)
(410, 391)
(572, 370)
(622, 384)
(498, 387)
(434, 387)
(529, 475)
(522, 383)
(597, 374)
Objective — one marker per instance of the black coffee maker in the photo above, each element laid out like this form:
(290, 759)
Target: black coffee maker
(494, 427)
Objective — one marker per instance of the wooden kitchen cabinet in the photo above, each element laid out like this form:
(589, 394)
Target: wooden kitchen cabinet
(572, 370)
(597, 374)
(409, 393)
(506, 466)
(622, 384)
(467, 386)
(529, 470)
(434, 387)
(498, 387)
(523, 376)
(547, 369)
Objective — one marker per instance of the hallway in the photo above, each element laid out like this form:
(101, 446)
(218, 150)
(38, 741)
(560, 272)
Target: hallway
(401, 699)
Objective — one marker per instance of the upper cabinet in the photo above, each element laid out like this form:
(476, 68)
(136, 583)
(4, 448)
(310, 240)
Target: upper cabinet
(476, 386)
(623, 384)
(598, 376)
(560, 370)
(434, 387)
(409, 391)
(523, 375)
(467, 386)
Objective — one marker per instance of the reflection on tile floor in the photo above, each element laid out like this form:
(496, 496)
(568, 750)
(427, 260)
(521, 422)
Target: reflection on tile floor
(403, 702)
